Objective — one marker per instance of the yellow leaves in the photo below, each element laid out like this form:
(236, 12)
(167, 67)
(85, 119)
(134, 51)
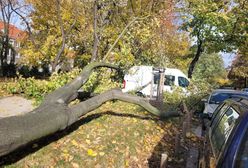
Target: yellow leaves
(65, 150)
(92, 153)
(75, 143)
(88, 141)
(66, 156)
(191, 136)
(135, 120)
(101, 153)
(75, 165)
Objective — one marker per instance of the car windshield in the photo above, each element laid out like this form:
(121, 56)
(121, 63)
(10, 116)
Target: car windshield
(218, 98)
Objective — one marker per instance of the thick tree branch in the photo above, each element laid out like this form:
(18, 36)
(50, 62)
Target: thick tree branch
(63, 94)
(54, 114)
(114, 94)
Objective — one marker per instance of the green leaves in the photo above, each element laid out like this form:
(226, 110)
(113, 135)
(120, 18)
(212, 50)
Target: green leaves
(215, 23)
(210, 68)
(37, 89)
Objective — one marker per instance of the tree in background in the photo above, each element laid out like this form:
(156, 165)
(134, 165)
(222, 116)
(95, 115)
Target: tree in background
(6, 15)
(214, 25)
(51, 23)
(123, 32)
(239, 71)
(210, 68)
(170, 45)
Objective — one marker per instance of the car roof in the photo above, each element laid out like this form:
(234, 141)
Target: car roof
(229, 91)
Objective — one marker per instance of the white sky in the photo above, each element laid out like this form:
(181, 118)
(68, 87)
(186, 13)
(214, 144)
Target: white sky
(228, 58)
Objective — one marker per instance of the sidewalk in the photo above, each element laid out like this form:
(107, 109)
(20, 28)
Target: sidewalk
(14, 105)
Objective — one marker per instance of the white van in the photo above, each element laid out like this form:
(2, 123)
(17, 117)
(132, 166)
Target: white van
(141, 78)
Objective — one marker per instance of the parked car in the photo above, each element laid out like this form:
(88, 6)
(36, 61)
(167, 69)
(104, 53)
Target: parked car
(228, 133)
(245, 90)
(217, 97)
(142, 78)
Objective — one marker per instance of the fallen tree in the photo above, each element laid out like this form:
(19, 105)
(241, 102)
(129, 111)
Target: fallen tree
(54, 114)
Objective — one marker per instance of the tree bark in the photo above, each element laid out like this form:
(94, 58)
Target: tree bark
(62, 48)
(195, 59)
(64, 36)
(6, 16)
(54, 114)
(96, 40)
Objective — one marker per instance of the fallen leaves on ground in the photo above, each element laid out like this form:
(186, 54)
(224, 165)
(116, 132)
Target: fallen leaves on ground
(115, 135)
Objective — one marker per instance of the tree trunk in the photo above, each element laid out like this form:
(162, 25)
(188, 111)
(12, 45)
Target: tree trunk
(96, 40)
(62, 48)
(54, 114)
(196, 58)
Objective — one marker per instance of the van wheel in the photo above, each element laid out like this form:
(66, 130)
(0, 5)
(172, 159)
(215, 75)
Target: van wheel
(140, 94)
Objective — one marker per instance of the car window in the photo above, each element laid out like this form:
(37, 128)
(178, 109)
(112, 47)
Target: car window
(217, 98)
(242, 156)
(183, 82)
(218, 113)
(223, 129)
(156, 78)
(169, 80)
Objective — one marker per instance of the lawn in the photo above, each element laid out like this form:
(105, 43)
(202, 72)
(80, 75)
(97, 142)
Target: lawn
(115, 135)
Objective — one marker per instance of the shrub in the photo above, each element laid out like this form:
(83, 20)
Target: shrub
(36, 88)
(195, 92)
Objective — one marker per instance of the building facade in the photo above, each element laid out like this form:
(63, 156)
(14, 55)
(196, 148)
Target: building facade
(15, 36)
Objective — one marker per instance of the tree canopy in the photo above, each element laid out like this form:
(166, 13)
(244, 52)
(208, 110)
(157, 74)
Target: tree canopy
(140, 32)
(215, 26)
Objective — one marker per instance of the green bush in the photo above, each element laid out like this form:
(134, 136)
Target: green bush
(37, 89)
(195, 92)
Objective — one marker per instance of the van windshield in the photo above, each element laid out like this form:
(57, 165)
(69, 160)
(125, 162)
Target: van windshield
(183, 82)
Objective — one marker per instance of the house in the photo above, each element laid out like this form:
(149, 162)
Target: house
(15, 36)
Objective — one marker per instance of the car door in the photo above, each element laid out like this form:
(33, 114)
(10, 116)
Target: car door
(221, 128)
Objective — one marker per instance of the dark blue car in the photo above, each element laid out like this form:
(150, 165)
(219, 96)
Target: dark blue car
(228, 133)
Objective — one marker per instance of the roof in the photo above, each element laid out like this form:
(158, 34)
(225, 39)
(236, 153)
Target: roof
(14, 32)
